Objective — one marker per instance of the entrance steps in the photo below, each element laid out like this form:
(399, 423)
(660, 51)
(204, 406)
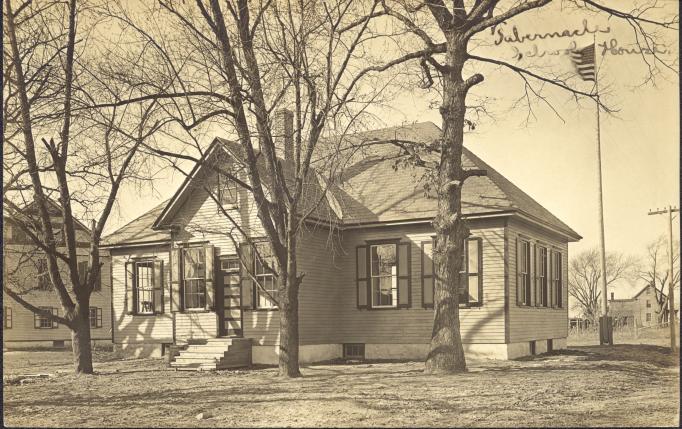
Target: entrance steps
(216, 353)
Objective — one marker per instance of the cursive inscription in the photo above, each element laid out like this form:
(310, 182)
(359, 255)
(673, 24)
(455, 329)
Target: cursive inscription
(501, 37)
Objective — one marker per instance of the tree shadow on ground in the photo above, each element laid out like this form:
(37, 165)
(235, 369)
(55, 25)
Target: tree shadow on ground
(641, 353)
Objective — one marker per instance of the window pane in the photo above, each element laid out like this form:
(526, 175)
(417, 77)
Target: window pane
(473, 256)
(194, 262)
(473, 289)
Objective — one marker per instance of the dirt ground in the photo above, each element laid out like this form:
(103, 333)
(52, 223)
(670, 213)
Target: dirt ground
(623, 385)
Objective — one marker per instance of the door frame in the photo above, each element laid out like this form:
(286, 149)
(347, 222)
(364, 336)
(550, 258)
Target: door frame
(222, 331)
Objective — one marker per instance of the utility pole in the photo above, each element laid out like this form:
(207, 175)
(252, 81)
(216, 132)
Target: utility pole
(671, 292)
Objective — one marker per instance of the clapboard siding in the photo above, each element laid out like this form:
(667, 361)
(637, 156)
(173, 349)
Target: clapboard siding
(318, 305)
(129, 328)
(23, 328)
(532, 323)
(414, 325)
(200, 219)
(196, 325)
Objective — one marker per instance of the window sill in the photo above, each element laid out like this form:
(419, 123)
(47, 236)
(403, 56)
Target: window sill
(262, 309)
(197, 310)
(532, 307)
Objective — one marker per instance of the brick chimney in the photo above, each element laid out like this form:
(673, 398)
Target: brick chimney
(283, 134)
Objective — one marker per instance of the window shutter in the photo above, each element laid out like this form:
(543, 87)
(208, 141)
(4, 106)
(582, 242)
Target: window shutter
(36, 321)
(55, 312)
(210, 271)
(158, 286)
(550, 279)
(404, 277)
(99, 317)
(361, 276)
(247, 282)
(427, 274)
(519, 280)
(130, 286)
(176, 269)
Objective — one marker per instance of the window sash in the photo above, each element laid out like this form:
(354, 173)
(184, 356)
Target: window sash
(524, 261)
(43, 275)
(265, 277)
(95, 317)
(227, 191)
(381, 270)
(194, 278)
(557, 279)
(542, 276)
(44, 322)
(144, 287)
(7, 322)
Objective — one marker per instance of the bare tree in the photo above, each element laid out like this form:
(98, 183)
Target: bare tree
(56, 147)
(654, 271)
(444, 32)
(233, 66)
(584, 279)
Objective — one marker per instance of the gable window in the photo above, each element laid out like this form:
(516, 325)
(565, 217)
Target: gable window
(194, 279)
(42, 322)
(7, 318)
(523, 266)
(648, 317)
(227, 191)
(266, 290)
(95, 317)
(541, 273)
(43, 275)
(648, 304)
(557, 280)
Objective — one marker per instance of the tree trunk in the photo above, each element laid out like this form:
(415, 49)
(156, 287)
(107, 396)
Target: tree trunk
(80, 341)
(288, 316)
(446, 354)
(288, 338)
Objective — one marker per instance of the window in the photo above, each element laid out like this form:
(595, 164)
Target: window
(523, 259)
(648, 317)
(354, 351)
(42, 322)
(144, 287)
(95, 317)
(557, 282)
(7, 318)
(227, 191)
(83, 267)
(18, 236)
(541, 270)
(648, 304)
(194, 264)
(266, 290)
(230, 265)
(43, 275)
(384, 275)
(472, 280)
(471, 275)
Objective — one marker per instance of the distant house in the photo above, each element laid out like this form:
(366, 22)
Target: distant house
(177, 279)
(25, 270)
(641, 309)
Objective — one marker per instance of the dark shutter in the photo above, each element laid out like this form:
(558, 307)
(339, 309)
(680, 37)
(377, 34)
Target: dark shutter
(361, 277)
(246, 269)
(130, 286)
(519, 279)
(176, 270)
(404, 276)
(99, 317)
(551, 300)
(536, 275)
(36, 321)
(210, 275)
(427, 267)
(158, 286)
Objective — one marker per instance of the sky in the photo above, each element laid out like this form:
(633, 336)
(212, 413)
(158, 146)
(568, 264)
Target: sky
(554, 159)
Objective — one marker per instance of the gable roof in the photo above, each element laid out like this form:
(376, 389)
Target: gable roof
(139, 230)
(53, 209)
(315, 202)
(371, 190)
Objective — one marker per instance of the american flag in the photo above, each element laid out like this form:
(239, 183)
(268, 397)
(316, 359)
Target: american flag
(583, 60)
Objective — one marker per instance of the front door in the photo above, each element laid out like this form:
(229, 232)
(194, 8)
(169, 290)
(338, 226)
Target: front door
(231, 317)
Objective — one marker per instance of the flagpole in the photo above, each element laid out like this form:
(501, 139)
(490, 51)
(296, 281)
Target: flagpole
(605, 331)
